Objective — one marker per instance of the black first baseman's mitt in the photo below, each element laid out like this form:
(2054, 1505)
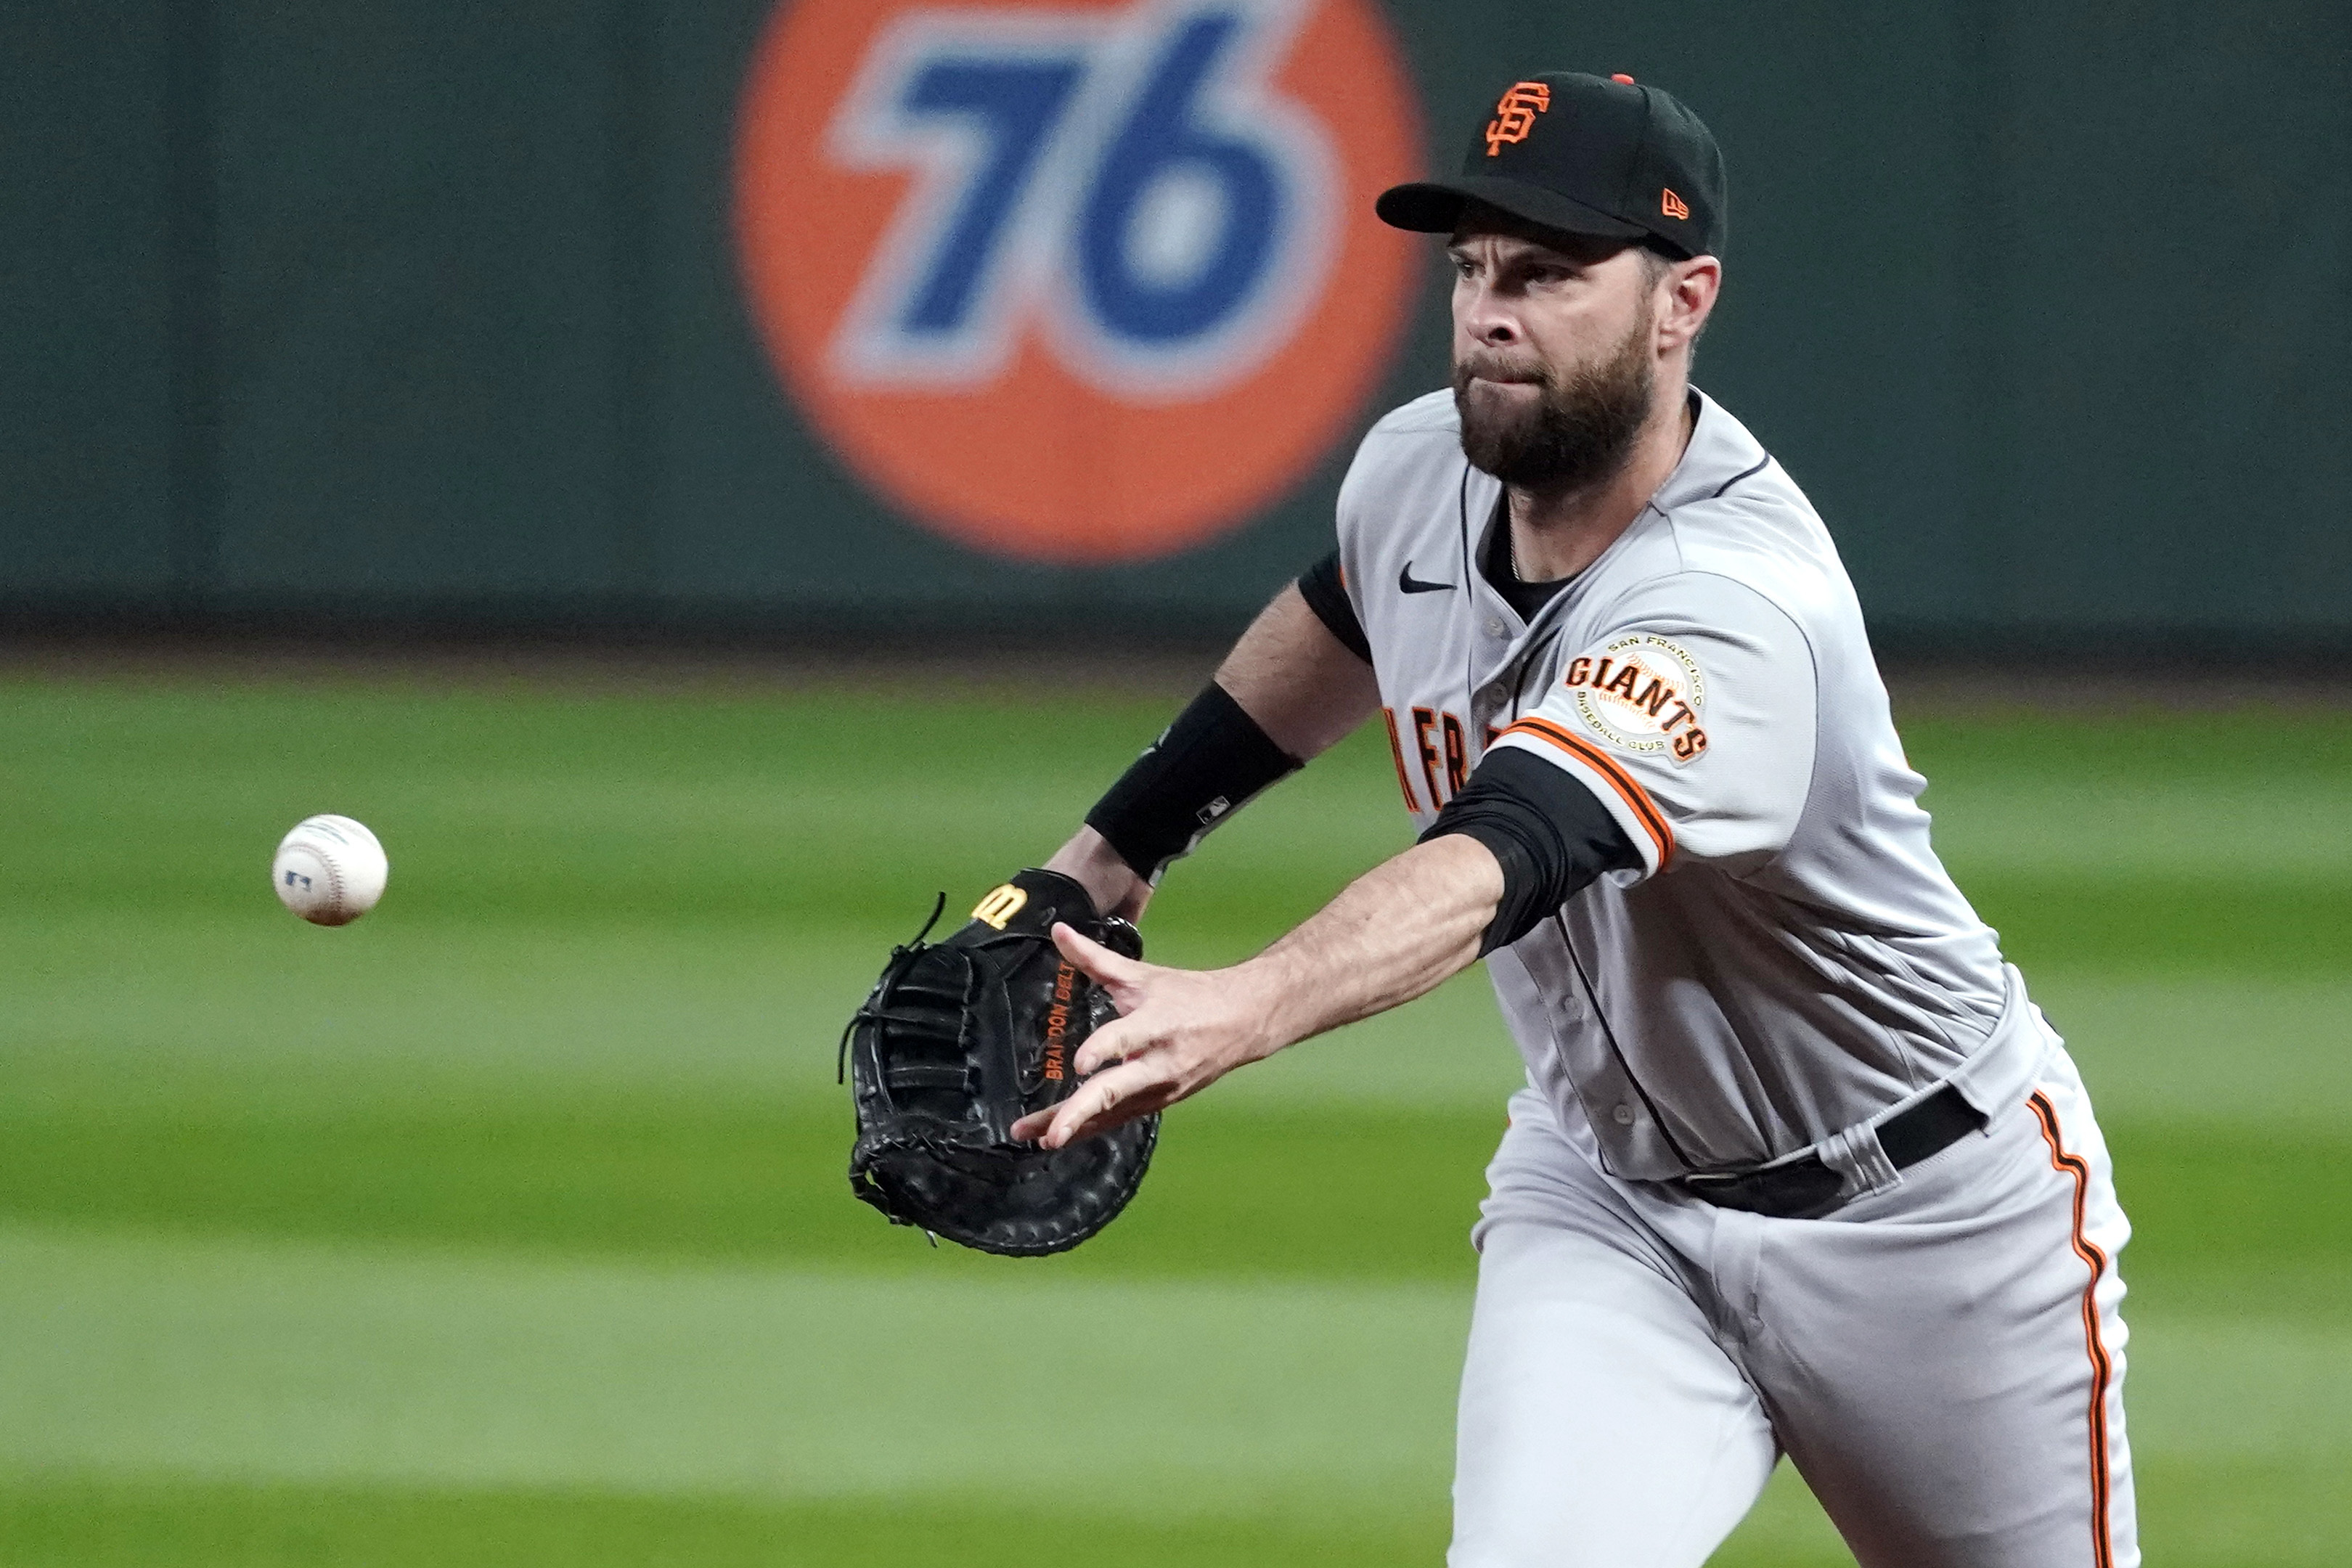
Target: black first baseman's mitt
(957, 1041)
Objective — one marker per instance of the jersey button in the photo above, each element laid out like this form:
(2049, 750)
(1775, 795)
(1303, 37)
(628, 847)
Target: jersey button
(1494, 627)
(1622, 1115)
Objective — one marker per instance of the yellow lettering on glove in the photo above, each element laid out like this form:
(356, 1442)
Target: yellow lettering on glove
(1003, 902)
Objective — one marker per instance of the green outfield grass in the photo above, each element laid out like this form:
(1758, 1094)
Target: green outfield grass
(508, 1226)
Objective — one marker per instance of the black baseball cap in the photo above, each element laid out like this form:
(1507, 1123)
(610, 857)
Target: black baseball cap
(1582, 154)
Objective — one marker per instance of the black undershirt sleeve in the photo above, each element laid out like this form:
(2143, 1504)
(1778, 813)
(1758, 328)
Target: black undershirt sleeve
(1552, 835)
(1326, 593)
(1215, 757)
(1202, 769)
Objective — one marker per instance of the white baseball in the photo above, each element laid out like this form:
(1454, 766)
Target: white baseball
(329, 871)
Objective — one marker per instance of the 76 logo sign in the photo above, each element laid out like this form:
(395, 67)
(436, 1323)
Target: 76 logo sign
(1089, 282)
(1131, 184)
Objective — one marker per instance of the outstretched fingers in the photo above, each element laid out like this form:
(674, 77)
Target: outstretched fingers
(1114, 1042)
(1117, 1087)
(1117, 1095)
(1177, 1032)
(1114, 971)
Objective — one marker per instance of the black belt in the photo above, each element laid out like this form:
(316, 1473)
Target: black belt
(1807, 1186)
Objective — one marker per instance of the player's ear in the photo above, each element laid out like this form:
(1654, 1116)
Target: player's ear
(1688, 290)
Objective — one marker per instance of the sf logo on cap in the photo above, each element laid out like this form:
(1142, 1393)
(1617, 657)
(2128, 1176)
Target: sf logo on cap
(1515, 115)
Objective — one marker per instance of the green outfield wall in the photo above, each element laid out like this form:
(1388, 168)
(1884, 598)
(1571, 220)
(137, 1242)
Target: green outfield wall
(628, 314)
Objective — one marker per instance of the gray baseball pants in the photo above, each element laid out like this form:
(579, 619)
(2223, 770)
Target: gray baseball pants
(1943, 1360)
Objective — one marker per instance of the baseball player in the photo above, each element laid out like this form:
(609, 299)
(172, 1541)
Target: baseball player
(1797, 1167)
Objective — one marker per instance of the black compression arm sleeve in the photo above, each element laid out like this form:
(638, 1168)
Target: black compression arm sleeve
(1552, 835)
(1205, 765)
(1324, 588)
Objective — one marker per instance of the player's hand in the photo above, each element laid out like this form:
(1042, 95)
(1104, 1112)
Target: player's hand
(1179, 1031)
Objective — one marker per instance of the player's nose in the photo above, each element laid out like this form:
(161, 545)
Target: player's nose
(1485, 319)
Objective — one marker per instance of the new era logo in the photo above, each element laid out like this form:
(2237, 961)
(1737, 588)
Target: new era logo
(1672, 205)
(1515, 114)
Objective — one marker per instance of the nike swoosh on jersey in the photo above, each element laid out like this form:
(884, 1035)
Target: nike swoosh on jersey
(1411, 584)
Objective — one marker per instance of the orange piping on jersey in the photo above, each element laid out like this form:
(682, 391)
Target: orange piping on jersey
(2103, 1552)
(1646, 810)
(1396, 752)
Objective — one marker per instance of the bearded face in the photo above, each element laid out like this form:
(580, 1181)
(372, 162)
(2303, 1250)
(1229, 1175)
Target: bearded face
(1571, 429)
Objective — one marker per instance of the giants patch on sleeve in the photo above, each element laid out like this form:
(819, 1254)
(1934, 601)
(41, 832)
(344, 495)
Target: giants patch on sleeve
(1642, 693)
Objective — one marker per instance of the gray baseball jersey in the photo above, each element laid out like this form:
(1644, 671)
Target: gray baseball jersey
(1791, 960)
(1787, 966)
